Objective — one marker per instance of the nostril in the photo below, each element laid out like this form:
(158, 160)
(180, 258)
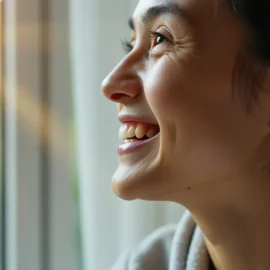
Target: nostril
(116, 97)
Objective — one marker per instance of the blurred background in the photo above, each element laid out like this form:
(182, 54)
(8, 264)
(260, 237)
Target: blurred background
(57, 208)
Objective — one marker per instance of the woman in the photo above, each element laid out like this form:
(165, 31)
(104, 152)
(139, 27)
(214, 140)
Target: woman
(194, 90)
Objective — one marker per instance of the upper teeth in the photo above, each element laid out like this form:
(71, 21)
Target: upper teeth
(139, 131)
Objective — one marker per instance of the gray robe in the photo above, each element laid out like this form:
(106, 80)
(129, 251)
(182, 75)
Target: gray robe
(171, 247)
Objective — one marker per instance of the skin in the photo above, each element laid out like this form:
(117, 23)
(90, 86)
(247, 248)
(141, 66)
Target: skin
(209, 154)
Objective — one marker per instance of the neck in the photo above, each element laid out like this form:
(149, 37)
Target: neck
(241, 244)
(235, 220)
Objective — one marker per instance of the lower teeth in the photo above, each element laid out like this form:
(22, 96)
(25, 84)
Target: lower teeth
(131, 140)
(136, 139)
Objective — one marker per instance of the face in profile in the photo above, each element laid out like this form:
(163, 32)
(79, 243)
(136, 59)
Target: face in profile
(184, 133)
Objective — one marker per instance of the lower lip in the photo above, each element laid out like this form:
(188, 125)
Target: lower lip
(132, 146)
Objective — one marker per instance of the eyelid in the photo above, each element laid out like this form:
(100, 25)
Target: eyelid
(158, 34)
(164, 31)
(129, 45)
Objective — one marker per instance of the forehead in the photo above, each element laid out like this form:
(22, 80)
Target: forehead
(143, 5)
(192, 6)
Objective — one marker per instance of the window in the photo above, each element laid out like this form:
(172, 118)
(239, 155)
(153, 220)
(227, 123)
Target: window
(41, 224)
(1, 145)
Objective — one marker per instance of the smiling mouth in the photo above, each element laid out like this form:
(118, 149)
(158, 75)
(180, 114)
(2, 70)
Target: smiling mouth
(135, 132)
(130, 145)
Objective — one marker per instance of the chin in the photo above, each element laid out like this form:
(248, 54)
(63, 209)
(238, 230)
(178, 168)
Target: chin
(148, 184)
(129, 187)
(123, 193)
(141, 175)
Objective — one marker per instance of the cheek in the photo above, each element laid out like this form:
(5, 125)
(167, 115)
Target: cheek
(190, 92)
(211, 128)
(163, 89)
(174, 91)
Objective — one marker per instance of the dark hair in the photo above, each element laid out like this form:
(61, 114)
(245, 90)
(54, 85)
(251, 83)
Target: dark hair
(252, 64)
(255, 15)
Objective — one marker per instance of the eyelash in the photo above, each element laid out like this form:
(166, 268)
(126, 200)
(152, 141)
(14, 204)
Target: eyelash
(127, 46)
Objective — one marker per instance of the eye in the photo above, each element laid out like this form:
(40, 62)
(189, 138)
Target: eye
(158, 38)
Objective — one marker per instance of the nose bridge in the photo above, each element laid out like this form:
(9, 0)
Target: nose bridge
(123, 80)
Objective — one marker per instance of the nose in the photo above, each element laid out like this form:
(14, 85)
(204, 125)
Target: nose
(123, 84)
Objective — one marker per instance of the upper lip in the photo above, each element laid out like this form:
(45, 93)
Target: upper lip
(135, 118)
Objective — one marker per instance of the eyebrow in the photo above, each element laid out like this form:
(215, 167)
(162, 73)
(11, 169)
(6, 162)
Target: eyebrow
(156, 11)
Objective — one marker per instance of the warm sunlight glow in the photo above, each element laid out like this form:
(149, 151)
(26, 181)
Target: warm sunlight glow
(28, 107)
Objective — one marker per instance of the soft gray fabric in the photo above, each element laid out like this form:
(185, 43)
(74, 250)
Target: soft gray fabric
(172, 247)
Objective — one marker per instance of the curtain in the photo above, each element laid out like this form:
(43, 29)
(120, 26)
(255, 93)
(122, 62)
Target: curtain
(109, 225)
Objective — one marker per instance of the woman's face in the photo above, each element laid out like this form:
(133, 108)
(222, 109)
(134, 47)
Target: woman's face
(180, 77)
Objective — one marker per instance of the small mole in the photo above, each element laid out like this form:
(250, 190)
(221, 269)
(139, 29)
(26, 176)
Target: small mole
(189, 188)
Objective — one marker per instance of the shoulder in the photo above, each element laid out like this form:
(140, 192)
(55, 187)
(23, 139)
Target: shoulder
(152, 253)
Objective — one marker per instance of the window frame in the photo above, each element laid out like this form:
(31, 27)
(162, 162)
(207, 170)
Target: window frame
(38, 204)
(2, 184)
